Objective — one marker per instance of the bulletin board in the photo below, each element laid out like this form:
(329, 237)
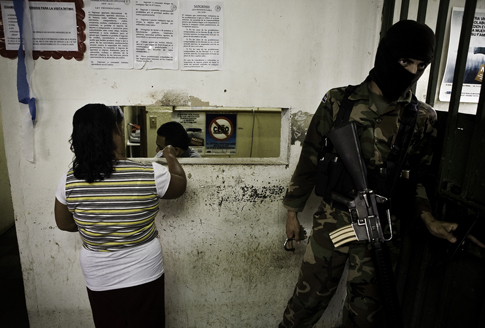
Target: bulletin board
(81, 37)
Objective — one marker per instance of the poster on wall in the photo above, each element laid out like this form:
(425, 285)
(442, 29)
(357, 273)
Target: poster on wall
(53, 24)
(109, 37)
(194, 124)
(57, 29)
(475, 64)
(156, 42)
(221, 134)
(133, 34)
(146, 34)
(202, 35)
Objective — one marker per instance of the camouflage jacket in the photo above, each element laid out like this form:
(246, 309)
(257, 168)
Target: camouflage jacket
(377, 132)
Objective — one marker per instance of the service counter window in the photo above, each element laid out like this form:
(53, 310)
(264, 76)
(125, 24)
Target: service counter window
(219, 135)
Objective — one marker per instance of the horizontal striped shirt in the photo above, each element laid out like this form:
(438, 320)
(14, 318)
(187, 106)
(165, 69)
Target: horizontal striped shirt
(117, 212)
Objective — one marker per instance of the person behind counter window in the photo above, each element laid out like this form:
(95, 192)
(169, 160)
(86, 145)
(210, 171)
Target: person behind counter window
(113, 202)
(174, 134)
(376, 105)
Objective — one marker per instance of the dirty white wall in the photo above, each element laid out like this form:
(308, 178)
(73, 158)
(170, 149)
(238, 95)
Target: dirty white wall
(6, 208)
(222, 241)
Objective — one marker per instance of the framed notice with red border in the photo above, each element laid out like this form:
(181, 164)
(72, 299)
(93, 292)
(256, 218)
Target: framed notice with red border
(80, 28)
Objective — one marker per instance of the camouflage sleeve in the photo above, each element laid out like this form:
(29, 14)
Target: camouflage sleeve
(421, 153)
(303, 179)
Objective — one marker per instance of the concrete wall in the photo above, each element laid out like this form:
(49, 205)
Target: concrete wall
(222, 241)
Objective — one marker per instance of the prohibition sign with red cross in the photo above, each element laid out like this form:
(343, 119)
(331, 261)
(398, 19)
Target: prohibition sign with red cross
(221, 128)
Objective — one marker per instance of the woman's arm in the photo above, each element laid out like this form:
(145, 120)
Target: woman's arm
(64, 219)
(178, 181)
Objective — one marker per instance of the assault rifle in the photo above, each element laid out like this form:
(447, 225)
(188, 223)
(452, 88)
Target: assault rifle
(366, 223)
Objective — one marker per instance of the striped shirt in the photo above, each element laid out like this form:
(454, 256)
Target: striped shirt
(117, 212)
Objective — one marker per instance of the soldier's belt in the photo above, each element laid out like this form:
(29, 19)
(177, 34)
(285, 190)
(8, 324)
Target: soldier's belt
(366, 225)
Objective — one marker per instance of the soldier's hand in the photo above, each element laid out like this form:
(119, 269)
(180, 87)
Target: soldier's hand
(292, 230)
(476, 241)
(440, 229)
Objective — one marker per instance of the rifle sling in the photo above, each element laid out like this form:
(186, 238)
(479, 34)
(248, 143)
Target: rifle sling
(397, 156)
(343, 115)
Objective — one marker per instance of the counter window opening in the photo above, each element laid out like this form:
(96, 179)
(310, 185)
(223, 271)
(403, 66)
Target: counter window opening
(219, 135)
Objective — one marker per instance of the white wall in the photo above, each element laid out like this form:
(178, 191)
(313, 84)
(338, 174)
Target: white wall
(222, 241)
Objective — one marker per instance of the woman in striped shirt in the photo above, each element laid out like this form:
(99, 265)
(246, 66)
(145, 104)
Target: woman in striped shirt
(113, 202)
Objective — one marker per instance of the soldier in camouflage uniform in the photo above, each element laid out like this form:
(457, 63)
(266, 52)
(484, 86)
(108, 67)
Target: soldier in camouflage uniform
(402, 56)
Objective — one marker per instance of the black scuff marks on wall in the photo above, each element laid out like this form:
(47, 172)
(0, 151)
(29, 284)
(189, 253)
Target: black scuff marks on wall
(260, 194)
(236, 196)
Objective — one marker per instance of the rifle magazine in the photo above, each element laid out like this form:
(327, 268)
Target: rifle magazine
(343, 235)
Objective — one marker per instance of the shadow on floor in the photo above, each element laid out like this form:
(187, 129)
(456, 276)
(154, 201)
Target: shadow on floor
(13, 312)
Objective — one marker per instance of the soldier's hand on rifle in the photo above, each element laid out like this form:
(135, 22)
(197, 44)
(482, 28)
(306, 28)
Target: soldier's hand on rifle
(293, 231)
(440, 229)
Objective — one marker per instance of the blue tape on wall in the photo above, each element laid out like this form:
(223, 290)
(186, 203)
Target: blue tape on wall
(22, 83)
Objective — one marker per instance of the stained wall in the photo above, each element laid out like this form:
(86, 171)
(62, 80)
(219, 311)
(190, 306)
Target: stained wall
(222, 241)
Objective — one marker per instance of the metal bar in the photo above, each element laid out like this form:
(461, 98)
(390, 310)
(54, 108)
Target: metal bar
(422, 7)
(404, 10)
(440, 37)
(459, 200)
(459, 74)
(387, 16)
(472, 163)
(423, 4)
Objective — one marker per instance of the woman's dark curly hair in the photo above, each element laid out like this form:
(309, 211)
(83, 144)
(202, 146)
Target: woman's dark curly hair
(92, 141)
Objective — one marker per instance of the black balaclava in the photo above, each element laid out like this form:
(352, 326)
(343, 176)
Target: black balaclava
(405, 39)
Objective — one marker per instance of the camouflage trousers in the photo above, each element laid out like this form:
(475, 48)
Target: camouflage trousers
(320, 273)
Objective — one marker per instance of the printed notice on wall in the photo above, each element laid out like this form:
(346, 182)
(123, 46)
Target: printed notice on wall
(145, 34)
(194, 124)
(109, 34)
(53, 26)
(133, 34)
(156, 38)
(202, 35)
(475, 64)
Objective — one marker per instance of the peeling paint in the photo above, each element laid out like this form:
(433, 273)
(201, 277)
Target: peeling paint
(174, 98)
(300, 121)
(177, 98)
(196, 102)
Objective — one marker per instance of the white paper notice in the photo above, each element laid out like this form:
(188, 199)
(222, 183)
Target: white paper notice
(202, 35)
(194, 124)
(110, 34)
(53, 26)
(156, 34)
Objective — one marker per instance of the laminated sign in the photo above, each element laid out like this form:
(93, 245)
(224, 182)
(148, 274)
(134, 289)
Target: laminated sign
(221, 134)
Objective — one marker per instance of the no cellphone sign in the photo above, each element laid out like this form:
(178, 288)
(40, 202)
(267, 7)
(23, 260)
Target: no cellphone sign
(221, 133)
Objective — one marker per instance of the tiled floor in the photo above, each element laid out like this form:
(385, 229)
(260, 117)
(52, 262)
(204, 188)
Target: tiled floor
(13, 313)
